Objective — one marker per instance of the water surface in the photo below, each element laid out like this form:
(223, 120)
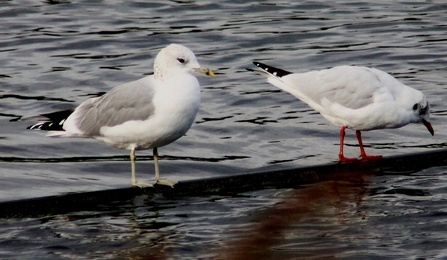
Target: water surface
(56, 54)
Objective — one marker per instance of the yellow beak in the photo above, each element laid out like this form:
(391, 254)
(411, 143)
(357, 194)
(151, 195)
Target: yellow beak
(205, 71)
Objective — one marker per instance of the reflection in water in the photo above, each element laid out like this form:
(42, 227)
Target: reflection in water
(266, 224)
(363, 217)
(305, 216)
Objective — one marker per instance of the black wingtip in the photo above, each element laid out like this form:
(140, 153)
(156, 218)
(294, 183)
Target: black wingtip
(277, 72)
(52, 121)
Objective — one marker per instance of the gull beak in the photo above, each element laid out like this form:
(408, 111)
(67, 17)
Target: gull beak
(429, 127)
(205, 71)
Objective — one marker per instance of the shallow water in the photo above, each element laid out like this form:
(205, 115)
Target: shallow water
(56, 54)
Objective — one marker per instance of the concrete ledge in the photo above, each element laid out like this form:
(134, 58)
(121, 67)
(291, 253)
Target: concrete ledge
(402, 164)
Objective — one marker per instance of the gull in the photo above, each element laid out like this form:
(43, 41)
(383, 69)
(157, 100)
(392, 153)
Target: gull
(144, 114)
(353, 97)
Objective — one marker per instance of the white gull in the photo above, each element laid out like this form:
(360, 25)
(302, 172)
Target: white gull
(352, 97)
(144, 114)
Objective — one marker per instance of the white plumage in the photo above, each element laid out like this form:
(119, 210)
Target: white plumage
(357, 98)
(144, 114)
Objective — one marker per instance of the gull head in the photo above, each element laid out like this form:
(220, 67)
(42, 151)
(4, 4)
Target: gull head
(175, 59)
(421, 112)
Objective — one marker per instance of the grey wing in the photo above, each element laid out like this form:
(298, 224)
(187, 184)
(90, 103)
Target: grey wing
(130, 101)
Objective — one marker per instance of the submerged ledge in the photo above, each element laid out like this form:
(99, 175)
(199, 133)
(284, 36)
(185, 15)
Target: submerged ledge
(401, 164)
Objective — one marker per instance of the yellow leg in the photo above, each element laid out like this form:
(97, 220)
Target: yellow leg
(157, 172)
(132, 166)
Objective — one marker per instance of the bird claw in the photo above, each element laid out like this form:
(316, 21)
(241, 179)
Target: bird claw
(362, 157)
(142, 185)
(371, 157)
(165, 182)
(345, 159)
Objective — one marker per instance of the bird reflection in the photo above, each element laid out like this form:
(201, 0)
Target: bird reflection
(293, 227)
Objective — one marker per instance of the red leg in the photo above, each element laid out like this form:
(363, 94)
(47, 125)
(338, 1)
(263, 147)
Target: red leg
(362, 149)
(341, 157)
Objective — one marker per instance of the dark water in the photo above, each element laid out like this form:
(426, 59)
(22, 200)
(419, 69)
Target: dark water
(56, 54)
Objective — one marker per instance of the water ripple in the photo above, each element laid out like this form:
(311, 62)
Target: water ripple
(56, 54)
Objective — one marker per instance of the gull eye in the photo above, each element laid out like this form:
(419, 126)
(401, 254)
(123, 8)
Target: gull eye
(415, 107)
(181, 60)
(423, 110)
